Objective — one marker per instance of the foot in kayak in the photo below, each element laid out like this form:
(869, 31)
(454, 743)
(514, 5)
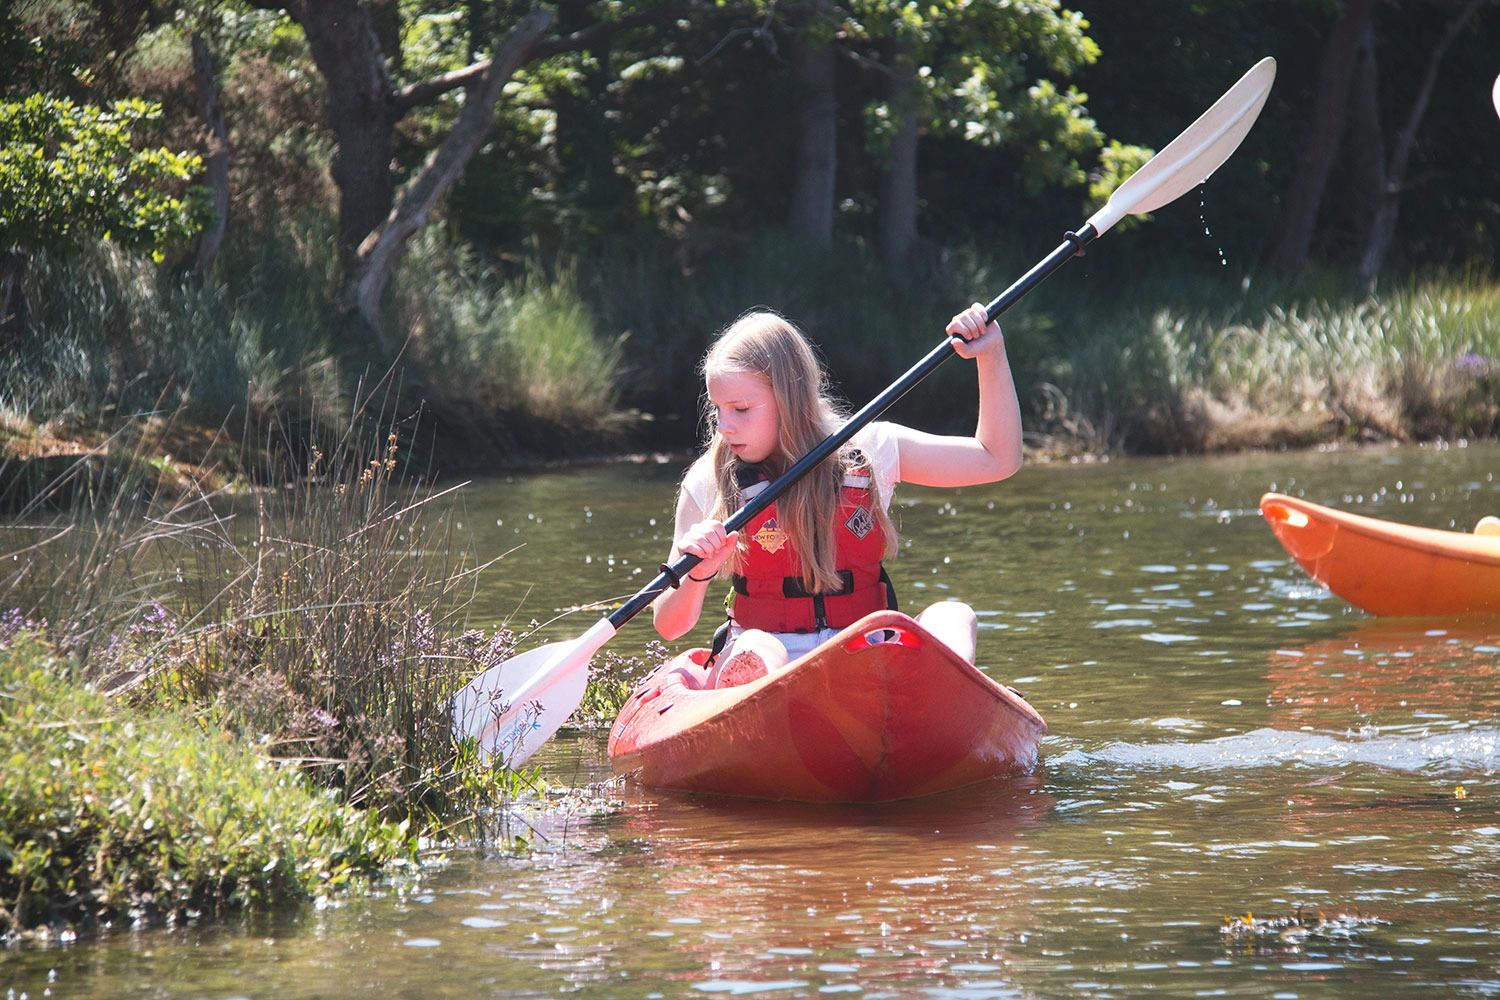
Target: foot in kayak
(741, 668)
(749, 656)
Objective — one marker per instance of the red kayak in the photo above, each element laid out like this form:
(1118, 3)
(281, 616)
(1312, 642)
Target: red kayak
(1389, 568)
(882, 711)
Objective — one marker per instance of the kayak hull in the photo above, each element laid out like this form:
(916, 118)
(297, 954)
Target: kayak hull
(883, 711)
(1387, 568)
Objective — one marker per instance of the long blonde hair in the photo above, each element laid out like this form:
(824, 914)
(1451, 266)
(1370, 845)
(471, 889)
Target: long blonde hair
(764, 344)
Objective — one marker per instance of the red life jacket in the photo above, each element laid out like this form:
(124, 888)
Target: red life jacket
(769, 593)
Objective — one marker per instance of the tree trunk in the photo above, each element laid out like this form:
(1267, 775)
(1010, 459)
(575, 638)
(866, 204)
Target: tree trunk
(896, 232)
(1367, 142)
(14, 314)
(813, 68)
(1382, 231)
(382, 248)
(361, 111)
(217, 161)
(1299, 215)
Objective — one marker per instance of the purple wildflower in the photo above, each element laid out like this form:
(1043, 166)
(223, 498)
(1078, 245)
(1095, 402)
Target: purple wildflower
(1476, 365)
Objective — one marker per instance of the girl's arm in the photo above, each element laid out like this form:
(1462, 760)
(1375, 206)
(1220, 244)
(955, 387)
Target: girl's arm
(676, 611)
(994, 452)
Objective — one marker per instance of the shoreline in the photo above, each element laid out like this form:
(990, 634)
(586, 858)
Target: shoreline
(44, 464)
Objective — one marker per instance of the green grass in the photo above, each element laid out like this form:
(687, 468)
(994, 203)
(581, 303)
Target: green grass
(526, 348)
(324, 619)
(1417, 362)
(111, 814)
(113, 336)
(546, 358)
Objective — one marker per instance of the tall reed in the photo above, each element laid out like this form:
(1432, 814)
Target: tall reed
(323, 614)
(113, 335)
(523, 349)
(1419, 361)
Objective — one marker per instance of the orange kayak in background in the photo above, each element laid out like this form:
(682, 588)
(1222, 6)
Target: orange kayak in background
(1388, 568)
(882, 711)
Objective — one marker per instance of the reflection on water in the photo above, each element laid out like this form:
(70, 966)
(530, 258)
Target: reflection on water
(1226, 740)
(839, 898)
(1393, 668)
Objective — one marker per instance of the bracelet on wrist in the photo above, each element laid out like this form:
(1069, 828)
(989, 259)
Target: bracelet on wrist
(700, 579)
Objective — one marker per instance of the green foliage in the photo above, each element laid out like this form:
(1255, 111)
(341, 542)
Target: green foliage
(686, 125)
(329, 631)
(339, 639)
(674, 296)
(112, 335)
(36, 59)
(612, 677)
(528, 346)
(106, 813)
(22, 56)
(1117, 161)
(69, 173)
(977, 68)
(1417, 363)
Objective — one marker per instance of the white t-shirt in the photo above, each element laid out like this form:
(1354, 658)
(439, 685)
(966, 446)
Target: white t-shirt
(878, 441)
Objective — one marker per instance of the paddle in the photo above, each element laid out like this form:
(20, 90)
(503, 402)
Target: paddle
(1495, 95)
(514, 707)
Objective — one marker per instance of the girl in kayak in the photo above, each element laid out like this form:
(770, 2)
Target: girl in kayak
(810, 564)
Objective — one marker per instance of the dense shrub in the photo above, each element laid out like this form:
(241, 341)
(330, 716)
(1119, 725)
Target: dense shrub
(110, 814)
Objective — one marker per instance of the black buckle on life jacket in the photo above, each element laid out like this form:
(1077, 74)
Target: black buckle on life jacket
(721, 638)
(791, 586)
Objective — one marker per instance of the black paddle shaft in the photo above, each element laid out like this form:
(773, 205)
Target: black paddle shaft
(670, 575)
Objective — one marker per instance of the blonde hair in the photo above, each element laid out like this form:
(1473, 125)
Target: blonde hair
(764, 344)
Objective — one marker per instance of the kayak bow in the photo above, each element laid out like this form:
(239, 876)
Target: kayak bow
(882, 711)
(1388, 568)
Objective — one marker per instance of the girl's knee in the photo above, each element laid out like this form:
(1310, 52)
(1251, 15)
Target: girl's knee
(955, 624)
(950, 614)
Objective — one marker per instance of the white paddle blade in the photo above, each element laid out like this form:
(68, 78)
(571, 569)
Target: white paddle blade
(1495, 95)
(1193, 156)
(514, 707)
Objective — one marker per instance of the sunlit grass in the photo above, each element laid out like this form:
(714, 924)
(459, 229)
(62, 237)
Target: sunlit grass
(1415, 363)
(324, 616)
(108, 813)
(526, 348)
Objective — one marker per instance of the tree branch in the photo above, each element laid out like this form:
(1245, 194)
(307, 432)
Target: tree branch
(1407, 137)
(426, 91)
(380, 250)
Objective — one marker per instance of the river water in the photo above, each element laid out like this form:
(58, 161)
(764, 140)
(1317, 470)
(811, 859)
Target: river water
(1248, 789)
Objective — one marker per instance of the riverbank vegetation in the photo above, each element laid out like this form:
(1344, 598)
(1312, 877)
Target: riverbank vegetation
(551, 211)
(295, 645)
(109, 814)
(504, 372)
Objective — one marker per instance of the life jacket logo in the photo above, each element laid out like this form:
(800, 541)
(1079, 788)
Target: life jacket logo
(770, 537)
(861, 522)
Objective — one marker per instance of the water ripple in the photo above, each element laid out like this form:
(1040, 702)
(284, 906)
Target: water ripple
(1472, 748)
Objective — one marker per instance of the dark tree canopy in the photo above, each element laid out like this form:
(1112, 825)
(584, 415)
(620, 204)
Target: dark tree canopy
(552, 129)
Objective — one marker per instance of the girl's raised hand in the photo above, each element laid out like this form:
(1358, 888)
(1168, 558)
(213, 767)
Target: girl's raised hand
(978, 335)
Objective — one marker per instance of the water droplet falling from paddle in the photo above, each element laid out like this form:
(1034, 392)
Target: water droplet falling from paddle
(1203, 218)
